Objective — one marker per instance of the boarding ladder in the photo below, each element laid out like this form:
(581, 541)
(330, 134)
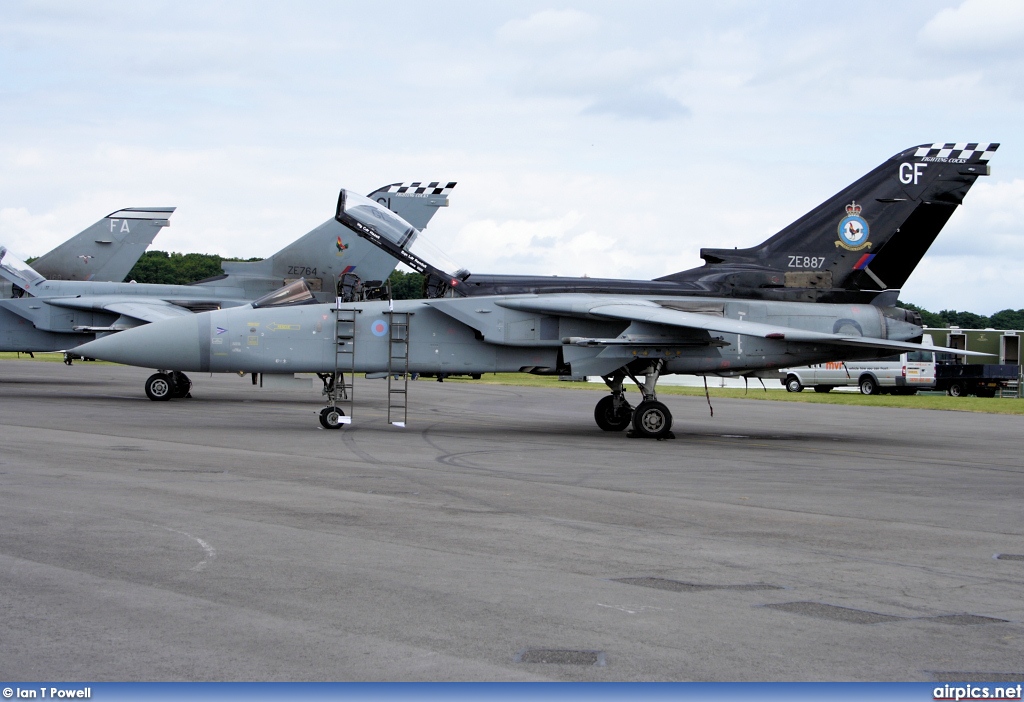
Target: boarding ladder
(341, 391)
(398, 367)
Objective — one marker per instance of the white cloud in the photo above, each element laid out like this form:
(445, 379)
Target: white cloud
(976, 25)
(549, 27)
(587, 139)
(28, 235)
(991, 221)
(639, 104)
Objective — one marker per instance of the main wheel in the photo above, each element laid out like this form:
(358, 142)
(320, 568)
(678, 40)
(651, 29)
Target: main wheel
(182, 385)
(608, 418)
(330, 417)
(868, 386)
(160, 387)
(793, 384)
(651, 419)
(822, 388)
(956, 390)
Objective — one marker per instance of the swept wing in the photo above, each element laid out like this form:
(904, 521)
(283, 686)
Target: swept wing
(644, 310)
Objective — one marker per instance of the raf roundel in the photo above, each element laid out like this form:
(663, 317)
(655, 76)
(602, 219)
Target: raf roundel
(379, 327)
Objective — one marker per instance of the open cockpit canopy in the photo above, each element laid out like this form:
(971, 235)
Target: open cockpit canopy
(389, 232)
(17, 271)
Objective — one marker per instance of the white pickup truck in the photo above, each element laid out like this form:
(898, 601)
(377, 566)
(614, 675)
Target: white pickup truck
(904, 374)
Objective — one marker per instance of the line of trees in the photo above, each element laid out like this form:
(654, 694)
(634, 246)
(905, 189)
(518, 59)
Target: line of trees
(1004, 319)
(165, 268)
(181, 269)
(161, 267)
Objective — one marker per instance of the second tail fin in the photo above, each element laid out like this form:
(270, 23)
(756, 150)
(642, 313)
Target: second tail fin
(331, 250)
(416, 203)
(108, 249)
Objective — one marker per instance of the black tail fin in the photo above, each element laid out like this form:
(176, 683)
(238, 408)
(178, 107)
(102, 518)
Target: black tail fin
(867, 238)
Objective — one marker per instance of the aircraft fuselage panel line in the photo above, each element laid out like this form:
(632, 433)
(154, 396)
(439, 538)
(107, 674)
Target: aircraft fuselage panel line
(206, 333)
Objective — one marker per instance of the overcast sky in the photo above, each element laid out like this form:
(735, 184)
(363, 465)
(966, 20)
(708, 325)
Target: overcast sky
(600, 138)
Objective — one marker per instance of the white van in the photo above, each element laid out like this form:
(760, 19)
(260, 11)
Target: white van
(904, 374)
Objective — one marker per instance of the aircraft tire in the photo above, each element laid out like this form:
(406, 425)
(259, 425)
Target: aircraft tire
(610, 420)
(182, 385)
(652, 420)
(160, 387)
(330, 418)
(793, 384)
(869, 386)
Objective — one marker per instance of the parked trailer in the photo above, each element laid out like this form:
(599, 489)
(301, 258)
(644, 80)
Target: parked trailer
(983, 380)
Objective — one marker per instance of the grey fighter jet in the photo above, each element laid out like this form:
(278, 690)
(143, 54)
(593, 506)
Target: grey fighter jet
(42, 314)
(819, 290)
(107, 250)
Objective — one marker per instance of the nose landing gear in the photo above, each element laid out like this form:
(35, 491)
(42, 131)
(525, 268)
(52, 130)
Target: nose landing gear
(163, 386)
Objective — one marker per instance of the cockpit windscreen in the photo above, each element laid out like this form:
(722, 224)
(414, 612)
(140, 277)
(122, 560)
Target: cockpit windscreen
(295, 293)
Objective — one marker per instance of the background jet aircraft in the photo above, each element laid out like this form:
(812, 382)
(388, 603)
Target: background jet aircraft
(724, 320)
(107, 250)
(330, 251)
(53, 315)
(898, 208)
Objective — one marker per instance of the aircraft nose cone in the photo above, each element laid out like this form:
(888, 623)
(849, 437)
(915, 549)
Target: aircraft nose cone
(171, 344)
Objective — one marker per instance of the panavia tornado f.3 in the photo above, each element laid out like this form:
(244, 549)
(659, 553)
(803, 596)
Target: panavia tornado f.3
(822, 289)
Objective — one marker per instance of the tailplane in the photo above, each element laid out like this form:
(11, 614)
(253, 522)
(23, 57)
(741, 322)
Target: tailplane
(866, 239)
(106, 250)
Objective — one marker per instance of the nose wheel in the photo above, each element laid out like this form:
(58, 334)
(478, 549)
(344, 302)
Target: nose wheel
(164, 386)
(182, 385)
(160, 387)
(331, 418)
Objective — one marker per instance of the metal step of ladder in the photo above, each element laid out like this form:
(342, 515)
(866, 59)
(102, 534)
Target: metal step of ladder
(398, 367)
(341, 392)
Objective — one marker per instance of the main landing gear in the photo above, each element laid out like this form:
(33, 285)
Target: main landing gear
(164, 385)
(650, 419)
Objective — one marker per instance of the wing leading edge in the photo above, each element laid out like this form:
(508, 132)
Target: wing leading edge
(649, 311)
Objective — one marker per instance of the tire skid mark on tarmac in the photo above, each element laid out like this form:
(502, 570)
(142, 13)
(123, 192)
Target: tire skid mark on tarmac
(591, 496)
(210, 551)
(593, 491)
